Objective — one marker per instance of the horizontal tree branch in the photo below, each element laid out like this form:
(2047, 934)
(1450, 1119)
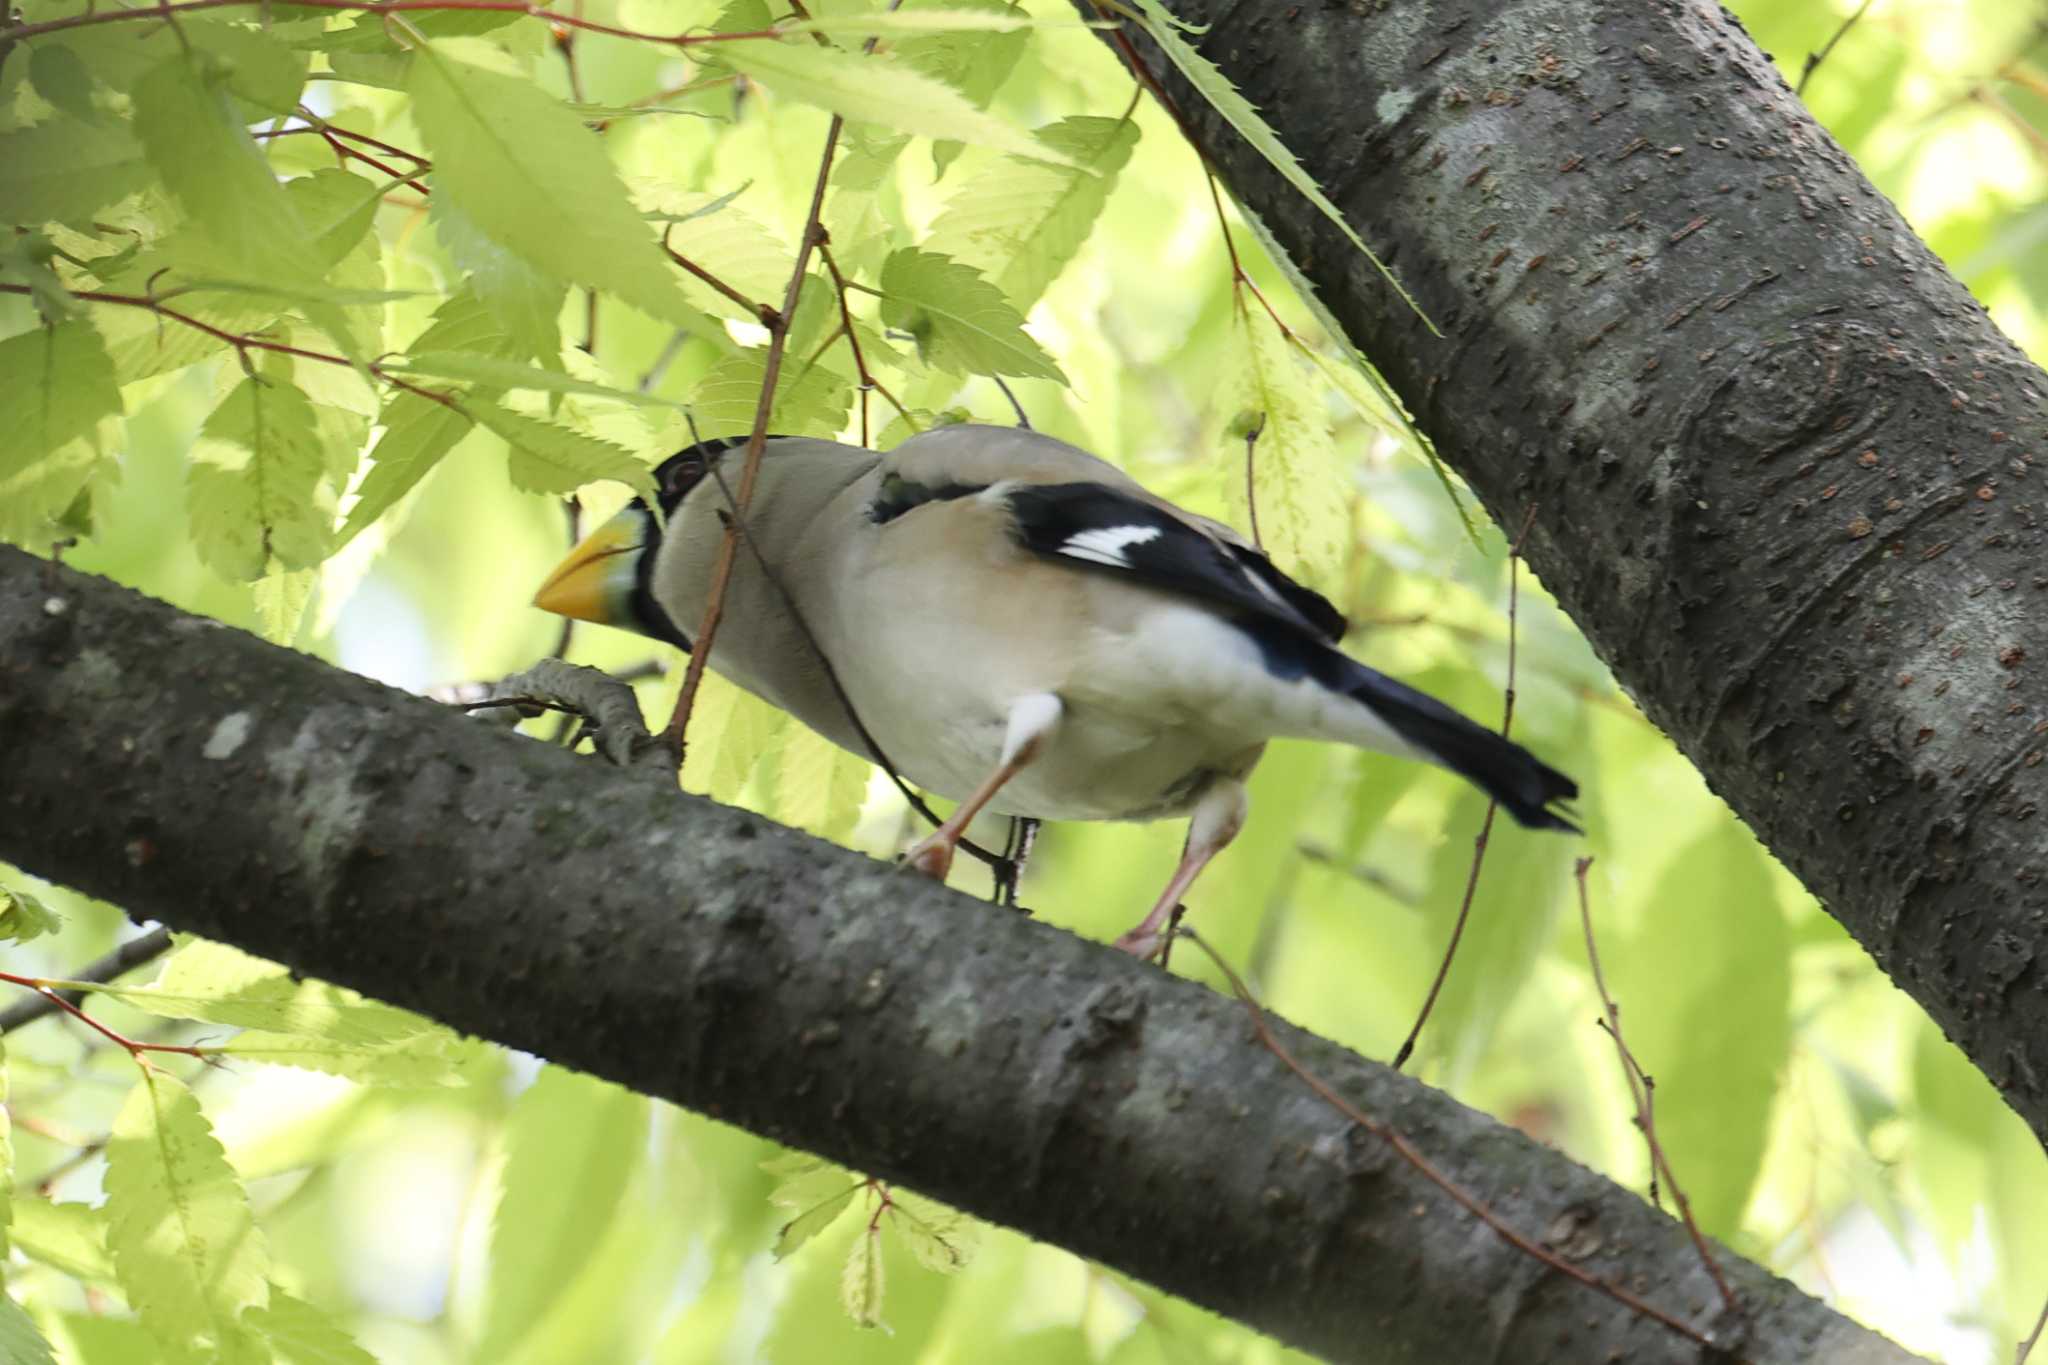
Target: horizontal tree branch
(596, 916)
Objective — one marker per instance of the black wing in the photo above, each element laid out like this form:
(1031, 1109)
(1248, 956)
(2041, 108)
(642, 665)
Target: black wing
(1112, 531)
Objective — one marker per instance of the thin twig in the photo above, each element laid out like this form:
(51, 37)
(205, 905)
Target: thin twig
(2027, 1346)
(53, 993)
(136, 952)
(757, 439)
(1479, 844)
(1814, 59)
(1422, 1165)
(1251, 493)
(761, 311)
(242, 341)
(1640, 1087)
(170, 12)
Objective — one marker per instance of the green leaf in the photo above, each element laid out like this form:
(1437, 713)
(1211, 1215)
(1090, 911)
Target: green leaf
(71, 1238)
(255, 490)
(572, 1145)
(819, 1213)
(860, 1282)
(810, 400)
(942, 1239)
(428, 1058)
(1006, 19)
(67, 171)
(21, 1341)
(962, 323)
(525, 300)
(1303, 497)
(23, 917)
(1705, 1000)
(252, 65)
(338, 209)
(1020, 221)
(56, 383)
(418, 431)
(6, 1150)
(198, 143)
(819, 786)
(553, 459)
(1238, 112)
(533, 179)
(187, 1252)
(60, 76)
(725, 242)
(494, 373)
(281, 602)
(300, 1334)
(878, 90)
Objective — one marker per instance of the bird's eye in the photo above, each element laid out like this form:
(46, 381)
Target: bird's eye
(682, 474)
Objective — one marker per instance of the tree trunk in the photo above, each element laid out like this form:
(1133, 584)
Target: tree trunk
(596, 916)
(1788, 476)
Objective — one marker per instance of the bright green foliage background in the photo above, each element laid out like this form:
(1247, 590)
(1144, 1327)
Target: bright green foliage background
(354, 1184)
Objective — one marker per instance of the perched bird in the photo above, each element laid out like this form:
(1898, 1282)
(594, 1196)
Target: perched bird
(1021, 627)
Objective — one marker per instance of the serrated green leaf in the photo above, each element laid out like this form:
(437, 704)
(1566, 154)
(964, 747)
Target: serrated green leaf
(962, 323)
(430, 1058)
(198, 143)
(252, 65)
(572, 1145)
(725, 242)
(1019, 222)
(66, 170)
(992, 20)
(860, 1281)
(554, 459)
(418, 432)
(792, 1163)
(67, 1237)
(338, 209)
(60, 76)
(878, 90)
(1303, 497)
(496, 374)
(942, 1239)
(731, 732)
(818, 785)
(21, 1341)
(23, 917)
(532, 178)
(808, 1181)
(975, 64)
(200, 967)
(810, 400)
(300, 1334)
(1238, 112)
(816, 1218)
(255, 490)
(526, 300)
(56, 383)
(186, 1250)
(281, 602)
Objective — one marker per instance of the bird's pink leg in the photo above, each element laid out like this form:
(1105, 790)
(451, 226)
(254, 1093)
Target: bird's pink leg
(1031, 720)
(1219, 815)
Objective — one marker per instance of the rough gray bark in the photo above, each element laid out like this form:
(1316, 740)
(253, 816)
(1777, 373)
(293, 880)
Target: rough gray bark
(195, 774)
(1789, 475)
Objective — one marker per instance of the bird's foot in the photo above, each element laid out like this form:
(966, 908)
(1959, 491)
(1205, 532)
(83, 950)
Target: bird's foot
(607, 703)
(931, 855)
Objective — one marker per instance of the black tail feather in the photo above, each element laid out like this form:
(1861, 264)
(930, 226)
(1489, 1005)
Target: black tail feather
(1523, 783)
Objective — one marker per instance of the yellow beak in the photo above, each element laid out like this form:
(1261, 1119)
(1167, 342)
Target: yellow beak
(595, 583)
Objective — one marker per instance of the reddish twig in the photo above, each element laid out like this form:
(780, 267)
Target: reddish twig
(1641, 1089)
(136, 952)
(868, 382)
(1422, 1165)
(171, 9)
(728, 549)
(243, 342)
(1479, 843)
(53, 994)
(761, 311)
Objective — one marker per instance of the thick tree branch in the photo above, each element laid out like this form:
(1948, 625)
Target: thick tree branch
(1792, 476)
(594, 915)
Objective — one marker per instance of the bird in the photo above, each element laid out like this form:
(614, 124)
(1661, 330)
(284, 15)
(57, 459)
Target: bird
(1021, 627)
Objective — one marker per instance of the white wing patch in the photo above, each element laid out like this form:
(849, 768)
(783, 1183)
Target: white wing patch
(1106, 544)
